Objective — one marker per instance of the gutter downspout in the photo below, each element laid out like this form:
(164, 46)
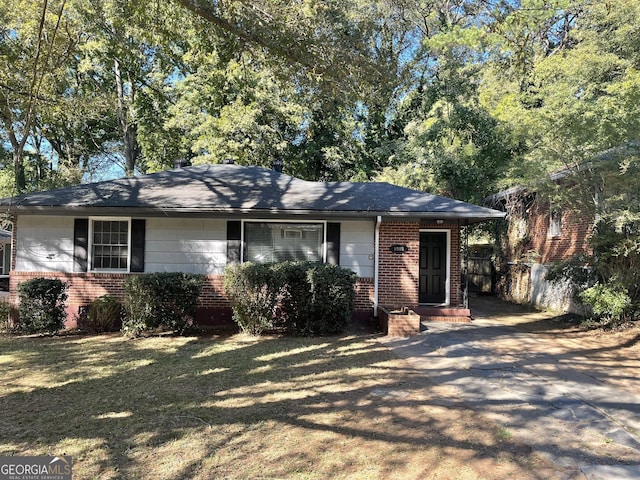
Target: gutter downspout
(465, 291)
(376, 265)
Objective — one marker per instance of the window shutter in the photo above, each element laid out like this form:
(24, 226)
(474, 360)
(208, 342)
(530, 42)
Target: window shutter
(333, 243)
(80, 244)
(138, 227)
(234, 230)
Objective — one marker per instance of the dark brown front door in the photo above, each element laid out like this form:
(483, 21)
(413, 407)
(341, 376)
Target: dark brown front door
(433, 267)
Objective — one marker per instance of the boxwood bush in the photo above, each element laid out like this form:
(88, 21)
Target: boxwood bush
(253, 291)
(42, 305)
(294, 297)
(167, 300)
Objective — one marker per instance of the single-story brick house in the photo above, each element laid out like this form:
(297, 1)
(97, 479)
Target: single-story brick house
(404, 245)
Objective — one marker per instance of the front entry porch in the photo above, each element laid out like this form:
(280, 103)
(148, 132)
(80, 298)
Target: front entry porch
(422, 269)
(406, 322)
(443, 314)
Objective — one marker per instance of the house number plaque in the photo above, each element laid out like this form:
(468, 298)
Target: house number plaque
(399, 248)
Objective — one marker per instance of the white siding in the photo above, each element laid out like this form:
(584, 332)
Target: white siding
(357, 246)
(44, 244)
(186, 245)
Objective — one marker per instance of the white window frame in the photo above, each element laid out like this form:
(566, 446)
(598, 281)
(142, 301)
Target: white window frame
(296, 222)
(447, 281)
(90, 244)
(555, 224)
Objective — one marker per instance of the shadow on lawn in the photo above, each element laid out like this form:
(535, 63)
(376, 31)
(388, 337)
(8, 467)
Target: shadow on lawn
(231, 407)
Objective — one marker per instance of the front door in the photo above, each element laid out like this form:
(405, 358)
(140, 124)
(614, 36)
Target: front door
(433, 267)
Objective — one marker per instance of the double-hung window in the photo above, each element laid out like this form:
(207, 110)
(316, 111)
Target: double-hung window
(109, 247)
(271, 242)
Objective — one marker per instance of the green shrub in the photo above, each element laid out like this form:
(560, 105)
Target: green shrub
(42, 305)
(608, 280)
(294, 302)
(5, 310)
(167, 300)
(610, 302)
(295, 297)
(105, 314)
(253, 291)
(330, 303)
(575, 271)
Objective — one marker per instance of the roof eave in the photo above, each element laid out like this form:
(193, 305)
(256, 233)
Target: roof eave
(468, 217)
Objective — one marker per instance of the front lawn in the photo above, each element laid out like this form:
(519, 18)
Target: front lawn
(241, 407)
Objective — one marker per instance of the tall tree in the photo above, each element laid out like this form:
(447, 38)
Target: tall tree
(33, 45)
(56, 112)
(566, 81)
(124, 54)
(324, 39)
(446, 139)
(575, 107)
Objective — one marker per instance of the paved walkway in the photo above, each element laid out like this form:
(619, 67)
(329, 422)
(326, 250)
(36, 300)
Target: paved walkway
(537, 388)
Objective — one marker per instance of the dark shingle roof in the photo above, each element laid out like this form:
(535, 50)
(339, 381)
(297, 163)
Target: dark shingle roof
(223, 189)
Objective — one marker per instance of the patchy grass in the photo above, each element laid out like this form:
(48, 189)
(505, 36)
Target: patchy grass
(242, 407)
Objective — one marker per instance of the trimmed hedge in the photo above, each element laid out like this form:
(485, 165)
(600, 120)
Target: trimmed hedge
(167, 300)
(330, 300)
(42, 305)
(294, 297)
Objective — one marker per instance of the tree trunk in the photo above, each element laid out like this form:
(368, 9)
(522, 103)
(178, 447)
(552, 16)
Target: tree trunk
(18, 166)
(129, 129)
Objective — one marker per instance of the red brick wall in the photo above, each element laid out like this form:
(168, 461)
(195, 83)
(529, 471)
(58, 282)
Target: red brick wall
(395, 324)
(398, 273)
(456, 267)
(398, 277)
(573, 239)
(364, 295)
(86, 287)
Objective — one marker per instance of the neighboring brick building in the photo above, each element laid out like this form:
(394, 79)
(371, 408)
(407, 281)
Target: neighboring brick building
(538, 235)
(403, 244)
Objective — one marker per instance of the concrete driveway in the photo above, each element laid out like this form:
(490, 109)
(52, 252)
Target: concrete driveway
(573, 396)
